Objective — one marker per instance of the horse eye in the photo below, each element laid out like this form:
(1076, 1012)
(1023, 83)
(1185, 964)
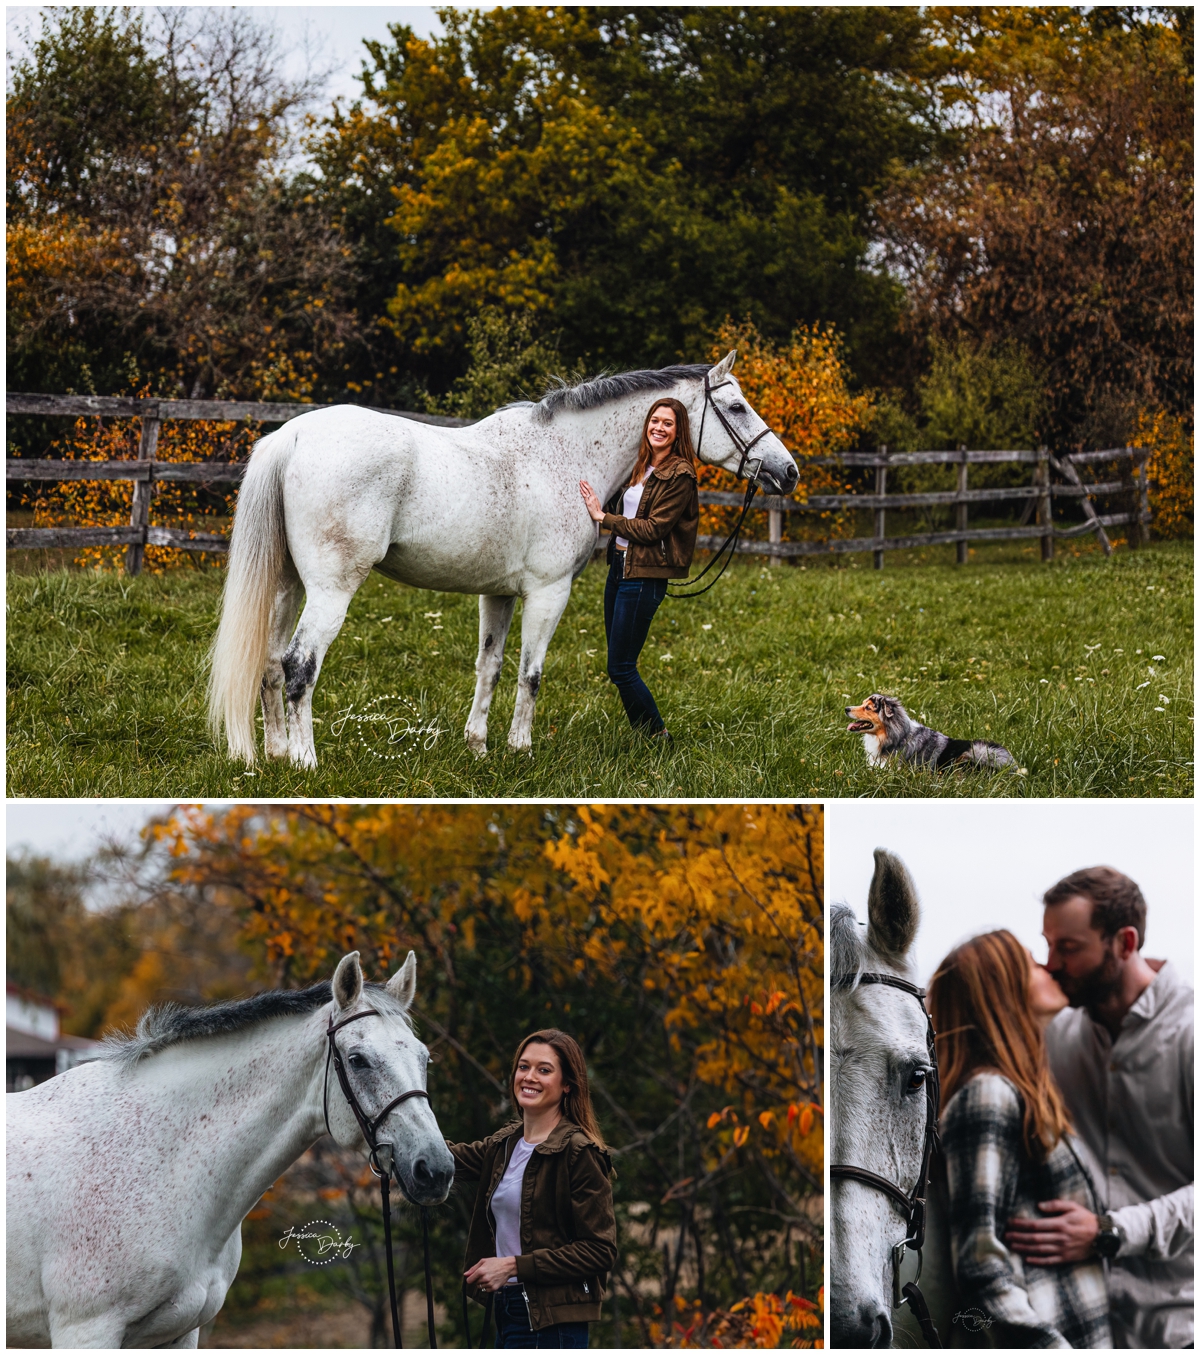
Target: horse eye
(357, 1061)
(737, 408)
(917, 1081)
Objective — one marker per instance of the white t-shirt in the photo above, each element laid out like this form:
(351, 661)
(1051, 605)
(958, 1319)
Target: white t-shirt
(506, 1202)
(633, 496)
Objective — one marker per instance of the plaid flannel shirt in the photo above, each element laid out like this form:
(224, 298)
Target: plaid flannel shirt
(991, 1179)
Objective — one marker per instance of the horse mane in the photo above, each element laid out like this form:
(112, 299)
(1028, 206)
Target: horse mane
(600, 390)
(850, 953)
(169, 1023)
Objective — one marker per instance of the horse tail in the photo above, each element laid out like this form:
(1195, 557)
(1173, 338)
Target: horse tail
(257, 552)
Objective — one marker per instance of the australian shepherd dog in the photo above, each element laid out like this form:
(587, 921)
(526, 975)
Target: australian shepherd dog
(889, 731)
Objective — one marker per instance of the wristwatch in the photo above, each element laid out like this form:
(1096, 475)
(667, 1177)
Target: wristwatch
(1108, 1239)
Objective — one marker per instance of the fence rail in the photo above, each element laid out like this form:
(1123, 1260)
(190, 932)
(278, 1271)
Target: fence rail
(1037, 496)
(146, 470)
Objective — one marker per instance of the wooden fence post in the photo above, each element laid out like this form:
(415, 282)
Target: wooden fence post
(960, 512)
(880, 489)
(1139, 485)
(1045, 515)
(142, 489)
(774, 530)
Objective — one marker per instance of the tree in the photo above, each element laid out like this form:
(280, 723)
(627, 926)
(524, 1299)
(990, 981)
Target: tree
(1062, 219)
(681, 946)
(630, 175)
(150, 216)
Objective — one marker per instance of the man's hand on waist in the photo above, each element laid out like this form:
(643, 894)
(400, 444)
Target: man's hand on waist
(1068, 1234)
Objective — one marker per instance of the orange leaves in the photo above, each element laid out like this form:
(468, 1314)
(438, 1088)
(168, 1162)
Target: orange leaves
(802, 390)
(107, 503)
(1171, 468)
(760, 1322)
(740, 1136)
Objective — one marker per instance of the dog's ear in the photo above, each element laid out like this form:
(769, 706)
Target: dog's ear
(886, 705)
(892, 907)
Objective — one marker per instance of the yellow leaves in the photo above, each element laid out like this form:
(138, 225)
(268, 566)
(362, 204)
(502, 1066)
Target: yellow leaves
(1171, 470)
(740, 1136)
(766, 1118)
(714, 1119)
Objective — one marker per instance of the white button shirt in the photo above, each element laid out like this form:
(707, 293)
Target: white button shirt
(1132, 1102)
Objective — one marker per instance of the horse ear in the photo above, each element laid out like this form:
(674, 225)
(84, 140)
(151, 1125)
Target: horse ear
(403, 983)
(892, 907)
(347, 981)
(723, 368)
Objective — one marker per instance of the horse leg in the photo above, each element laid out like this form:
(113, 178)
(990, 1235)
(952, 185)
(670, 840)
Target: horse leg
(324, 612)
(540, 616)
(283, 619)
(495, 617)
(104, 1331)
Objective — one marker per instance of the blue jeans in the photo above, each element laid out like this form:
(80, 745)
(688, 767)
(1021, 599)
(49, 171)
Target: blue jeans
(514, 1333)
(629, 607)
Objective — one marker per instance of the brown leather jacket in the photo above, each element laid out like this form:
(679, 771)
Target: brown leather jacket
(568, 1229)
(662, 535)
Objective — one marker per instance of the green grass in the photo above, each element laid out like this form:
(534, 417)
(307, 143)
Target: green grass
(106, 678)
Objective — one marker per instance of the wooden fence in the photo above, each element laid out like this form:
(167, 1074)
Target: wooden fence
(1038, 496)
(147, 470)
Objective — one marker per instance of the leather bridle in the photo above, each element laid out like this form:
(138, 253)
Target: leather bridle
(382, 1161)
(745, 448)
(911, 1203)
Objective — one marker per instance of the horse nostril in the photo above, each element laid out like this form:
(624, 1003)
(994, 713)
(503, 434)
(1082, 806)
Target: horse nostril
(791, 477)
(423, 1174)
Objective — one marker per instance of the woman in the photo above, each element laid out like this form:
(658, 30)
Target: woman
(1008, 1146)
(543, 1236)
(653, 540)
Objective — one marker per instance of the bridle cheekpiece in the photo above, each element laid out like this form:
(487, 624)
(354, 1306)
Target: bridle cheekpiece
(911, 1203)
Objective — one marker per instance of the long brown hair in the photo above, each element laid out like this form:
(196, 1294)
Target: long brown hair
(577, 1098)
(682, 446)
(980, 1004)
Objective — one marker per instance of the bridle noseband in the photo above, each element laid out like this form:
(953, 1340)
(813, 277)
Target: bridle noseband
(913, 1202)
(382, 1161)
(730, 542)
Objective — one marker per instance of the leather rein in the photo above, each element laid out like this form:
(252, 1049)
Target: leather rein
(911, 1203)
(382, 1163)
(730, 542)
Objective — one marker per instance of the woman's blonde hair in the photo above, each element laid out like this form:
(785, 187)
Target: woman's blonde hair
(577, 1097)
(980, 1004)
(682, 445)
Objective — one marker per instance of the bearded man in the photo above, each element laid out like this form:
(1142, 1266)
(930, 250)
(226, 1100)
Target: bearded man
(1122, 1054)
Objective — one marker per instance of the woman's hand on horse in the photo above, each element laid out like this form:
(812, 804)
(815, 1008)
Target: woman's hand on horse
(493, 1272)
(591, 501)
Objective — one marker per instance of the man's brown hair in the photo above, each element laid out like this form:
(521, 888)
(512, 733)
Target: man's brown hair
(1116, 901)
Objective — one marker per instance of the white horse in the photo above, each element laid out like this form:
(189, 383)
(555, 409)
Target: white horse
(128, 1178)
(492, 509)
(878, 1071)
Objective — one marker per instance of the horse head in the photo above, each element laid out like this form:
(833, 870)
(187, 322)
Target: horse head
(382, 1060)
(878, 1088)
(728, 425)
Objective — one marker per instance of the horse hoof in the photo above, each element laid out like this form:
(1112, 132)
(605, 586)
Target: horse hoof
(306, 762)
(524, 745)
(477, 745)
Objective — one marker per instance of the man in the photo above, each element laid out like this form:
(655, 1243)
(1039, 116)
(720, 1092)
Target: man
(1123, 1056)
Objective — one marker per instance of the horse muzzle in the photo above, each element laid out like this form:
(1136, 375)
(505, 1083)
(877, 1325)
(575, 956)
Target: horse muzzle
(866, 1328)
(777, 474)
(427, 1179)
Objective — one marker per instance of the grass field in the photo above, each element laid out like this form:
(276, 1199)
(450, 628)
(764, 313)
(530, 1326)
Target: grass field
(1083, 668)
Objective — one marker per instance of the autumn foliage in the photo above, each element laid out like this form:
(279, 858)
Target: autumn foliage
(107, 503)
(801, 388)
(682, 946)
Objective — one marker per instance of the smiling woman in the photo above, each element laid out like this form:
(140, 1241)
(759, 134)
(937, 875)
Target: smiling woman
(543, 1232)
